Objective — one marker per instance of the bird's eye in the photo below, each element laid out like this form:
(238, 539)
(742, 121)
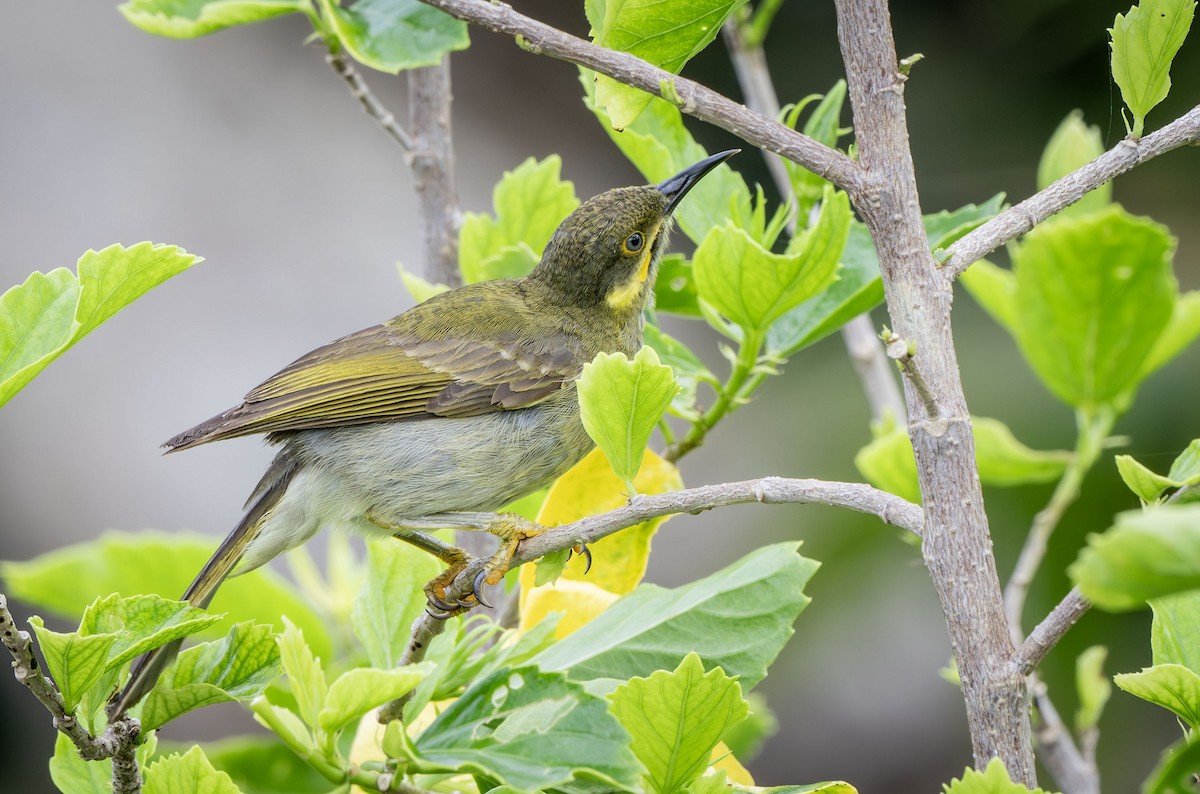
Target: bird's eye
(634, 242)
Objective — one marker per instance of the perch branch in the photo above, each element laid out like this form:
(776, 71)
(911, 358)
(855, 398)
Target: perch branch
(1020, 218)
(432, 163)
(691, 97)
(768, 490)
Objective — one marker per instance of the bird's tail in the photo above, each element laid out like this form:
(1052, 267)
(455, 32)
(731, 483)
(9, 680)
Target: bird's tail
(149, 667)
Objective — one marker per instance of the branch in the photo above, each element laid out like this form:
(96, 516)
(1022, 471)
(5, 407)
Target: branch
(370, 103)
(1020, 218)
(889, 508)
(432, 163)
(957, 546)
(119, 740)
(1047, 633)
(691, 97)
(1076, 773)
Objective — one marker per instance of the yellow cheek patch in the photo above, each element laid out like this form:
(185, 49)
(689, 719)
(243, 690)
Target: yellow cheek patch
(644, 269)
(623, 296)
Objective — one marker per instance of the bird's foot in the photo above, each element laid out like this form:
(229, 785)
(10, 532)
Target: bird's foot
(582, 550)
(511, 529)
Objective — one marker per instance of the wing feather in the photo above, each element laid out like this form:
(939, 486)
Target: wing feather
(412, 367)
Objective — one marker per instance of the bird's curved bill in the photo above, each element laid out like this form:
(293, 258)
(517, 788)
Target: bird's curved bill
(677, 186)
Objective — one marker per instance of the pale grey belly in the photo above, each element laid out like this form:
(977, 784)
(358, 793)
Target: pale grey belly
(382, 474)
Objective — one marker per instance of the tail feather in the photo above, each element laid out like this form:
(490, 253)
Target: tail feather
(146, 672)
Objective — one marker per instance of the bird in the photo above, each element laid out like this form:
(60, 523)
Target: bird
(445, 413)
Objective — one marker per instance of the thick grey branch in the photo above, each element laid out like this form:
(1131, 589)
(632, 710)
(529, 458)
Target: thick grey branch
(432, 162)
(693, 98)
(1020, 218)
(957, 547)
(889, 508)
(1047, 633)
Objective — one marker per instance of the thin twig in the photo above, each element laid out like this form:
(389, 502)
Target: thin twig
(887, 507)
(1092, 432)
(370, 103)
(1075, 773)
(903, 354)
(1047, 633)
(691, 97)
(1022, 217)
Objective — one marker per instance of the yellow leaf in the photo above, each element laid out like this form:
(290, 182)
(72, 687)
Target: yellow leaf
(619, 560)
(578, 601)
(723, 759)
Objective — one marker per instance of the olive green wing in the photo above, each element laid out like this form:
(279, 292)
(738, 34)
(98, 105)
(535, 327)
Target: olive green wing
(412, 367)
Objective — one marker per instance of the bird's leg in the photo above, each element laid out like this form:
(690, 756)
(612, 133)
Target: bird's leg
(510, 528)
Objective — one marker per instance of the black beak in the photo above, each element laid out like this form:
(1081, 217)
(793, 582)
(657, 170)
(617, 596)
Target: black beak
(677, 186)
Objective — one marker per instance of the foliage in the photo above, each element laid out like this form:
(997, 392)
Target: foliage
(636, 687)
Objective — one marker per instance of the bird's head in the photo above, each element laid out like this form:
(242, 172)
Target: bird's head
(607, 251)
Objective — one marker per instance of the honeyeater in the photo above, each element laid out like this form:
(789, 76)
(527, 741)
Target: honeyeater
(446, 412)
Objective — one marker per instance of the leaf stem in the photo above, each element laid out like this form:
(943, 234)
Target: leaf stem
(758, 25)
(743, 380)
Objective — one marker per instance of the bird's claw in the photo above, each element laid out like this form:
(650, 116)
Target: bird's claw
(477, 587)
(585, 552)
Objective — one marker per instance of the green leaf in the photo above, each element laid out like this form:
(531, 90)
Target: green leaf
(711, 783)
(72, 775)
(689, 370)
(993, 780)
(1175, 773)
(1093, 687)
(1180, 332)
(76, 662)
(238, 667)
(677, 718)
(746, 739)
(419, 288)
(393, 35)
(187, 19)
(1146, 484)
(1146, 554)
(66, 580)
(530, 202)
(858, 289)
(47, 314)
(738, 618)
(1074, 145)
(142, 623)
(620, 402)
(190, 773)
(823, 126)
(944, 228)
(887, 462)
(1171, 686)
(666, 35)
(1175, 632)
(830, 787)
(263, 765)
(1144, 42)
(675, 287)
(357, 691)
(392, 596)
(1186, 468)
(304, 673)
(1095, 292)
(660, 146)
(533, 731)
(752, 286)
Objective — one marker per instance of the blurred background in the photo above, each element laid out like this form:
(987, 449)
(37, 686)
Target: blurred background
(245, 148)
